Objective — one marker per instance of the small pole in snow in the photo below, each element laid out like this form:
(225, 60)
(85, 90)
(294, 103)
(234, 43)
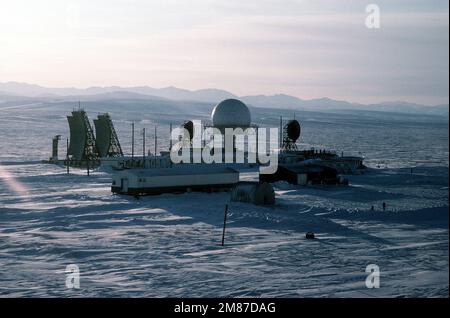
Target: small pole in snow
(87, 165)
(224, 224)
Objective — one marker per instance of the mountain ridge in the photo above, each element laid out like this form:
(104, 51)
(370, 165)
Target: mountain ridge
(211, 95)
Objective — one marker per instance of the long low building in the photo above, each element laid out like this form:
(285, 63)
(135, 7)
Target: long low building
(176, 179)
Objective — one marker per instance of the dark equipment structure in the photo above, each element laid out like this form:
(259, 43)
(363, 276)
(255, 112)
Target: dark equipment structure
(303, 175)
(290, 154)
(55, 141)
(189, 126)
(291, 133)
(258, 193)
(82, 147)
(106, 139)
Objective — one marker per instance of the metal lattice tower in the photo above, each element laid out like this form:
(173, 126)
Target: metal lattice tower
(90, 149)
(82, 141)
(115, 149)
(108, 144)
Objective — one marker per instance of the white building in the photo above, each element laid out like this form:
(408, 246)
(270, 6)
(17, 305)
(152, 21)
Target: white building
(176, 179)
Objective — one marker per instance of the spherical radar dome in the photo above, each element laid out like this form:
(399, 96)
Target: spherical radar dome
(231, 113)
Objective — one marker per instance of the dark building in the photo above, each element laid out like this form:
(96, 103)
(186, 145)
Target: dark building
(302, 175)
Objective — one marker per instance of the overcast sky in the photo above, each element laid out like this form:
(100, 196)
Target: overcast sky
(305, 48)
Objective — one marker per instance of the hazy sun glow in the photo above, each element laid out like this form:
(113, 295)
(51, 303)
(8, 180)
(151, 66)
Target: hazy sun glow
(10, 181)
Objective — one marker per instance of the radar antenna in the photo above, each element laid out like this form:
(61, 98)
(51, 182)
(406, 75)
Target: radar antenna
(291, 133)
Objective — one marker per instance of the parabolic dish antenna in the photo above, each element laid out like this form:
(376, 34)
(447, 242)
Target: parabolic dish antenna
(189, 126)
(293, 130)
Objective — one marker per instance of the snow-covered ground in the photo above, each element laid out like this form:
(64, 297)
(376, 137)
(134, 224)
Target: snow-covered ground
(169, 245)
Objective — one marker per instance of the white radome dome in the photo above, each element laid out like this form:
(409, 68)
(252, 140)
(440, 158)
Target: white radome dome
(231, 113)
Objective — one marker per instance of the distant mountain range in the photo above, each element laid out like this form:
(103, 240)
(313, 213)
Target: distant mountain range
(211, 95)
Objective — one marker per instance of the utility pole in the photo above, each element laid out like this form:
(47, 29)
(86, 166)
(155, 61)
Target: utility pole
(156, 141)
(170, 137)
(143, 143)
(281, 133)
(67, 156)
(87, 165)
(132, 140)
